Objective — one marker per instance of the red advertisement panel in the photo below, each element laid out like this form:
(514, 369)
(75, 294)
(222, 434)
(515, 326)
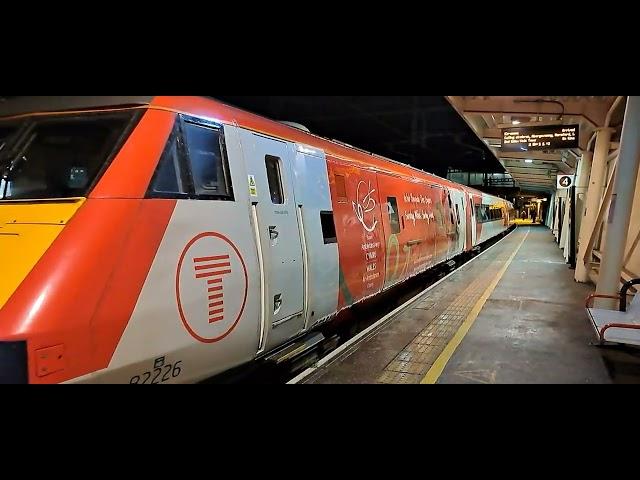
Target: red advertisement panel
(358, 218)
(409, 225)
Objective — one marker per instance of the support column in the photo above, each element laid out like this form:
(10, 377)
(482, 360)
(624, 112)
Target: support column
(551, 212)
(593, 200)
(539, 212)
(565, 233)
(582, 186)
(621, 201)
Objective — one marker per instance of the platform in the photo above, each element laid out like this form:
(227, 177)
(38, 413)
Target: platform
(512, 315)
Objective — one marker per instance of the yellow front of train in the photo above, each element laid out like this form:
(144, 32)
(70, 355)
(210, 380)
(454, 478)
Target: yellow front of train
(27, 230)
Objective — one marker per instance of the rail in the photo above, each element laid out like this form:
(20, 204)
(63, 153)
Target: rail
(625, 326)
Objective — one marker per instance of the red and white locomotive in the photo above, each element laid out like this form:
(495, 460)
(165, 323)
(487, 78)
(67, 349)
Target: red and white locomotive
(169, 239)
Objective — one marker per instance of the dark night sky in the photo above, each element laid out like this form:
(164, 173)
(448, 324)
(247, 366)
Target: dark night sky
(424, 131)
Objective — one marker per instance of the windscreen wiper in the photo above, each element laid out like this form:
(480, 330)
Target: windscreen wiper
(11, 168)
(15, 159)
(7, 174)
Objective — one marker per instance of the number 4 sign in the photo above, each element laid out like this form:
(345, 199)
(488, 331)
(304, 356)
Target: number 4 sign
(565, 181)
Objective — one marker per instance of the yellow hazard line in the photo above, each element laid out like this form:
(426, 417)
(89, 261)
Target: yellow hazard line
(440, 364)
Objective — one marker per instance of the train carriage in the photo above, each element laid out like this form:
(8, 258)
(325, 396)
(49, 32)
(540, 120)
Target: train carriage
(169, 239)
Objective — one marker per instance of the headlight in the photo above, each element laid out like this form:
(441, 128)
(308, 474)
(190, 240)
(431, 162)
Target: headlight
(13, 363)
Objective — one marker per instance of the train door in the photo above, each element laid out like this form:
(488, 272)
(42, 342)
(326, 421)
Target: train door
(468, 220)
(460, 218)
(474, 221)
(442, 223)
(452, 224)
(273, 210)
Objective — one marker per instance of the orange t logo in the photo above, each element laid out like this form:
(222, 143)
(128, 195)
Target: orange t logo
(213, 269)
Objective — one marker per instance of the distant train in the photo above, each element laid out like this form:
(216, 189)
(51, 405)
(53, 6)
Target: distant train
(152, 240)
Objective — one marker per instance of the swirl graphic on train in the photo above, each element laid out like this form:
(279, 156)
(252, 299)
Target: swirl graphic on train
(364, 205)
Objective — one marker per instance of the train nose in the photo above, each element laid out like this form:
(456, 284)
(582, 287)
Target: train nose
(27, 230)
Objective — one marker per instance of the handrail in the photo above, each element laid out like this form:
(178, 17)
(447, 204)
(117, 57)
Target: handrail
(596, 295)
(624, 293)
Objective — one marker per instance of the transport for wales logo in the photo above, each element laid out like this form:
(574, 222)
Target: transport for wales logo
(213, 270)
(211, 287)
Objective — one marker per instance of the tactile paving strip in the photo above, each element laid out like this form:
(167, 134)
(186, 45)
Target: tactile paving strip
(416, 359)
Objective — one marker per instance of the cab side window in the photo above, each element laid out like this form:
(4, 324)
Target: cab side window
(170, 179)
(194, 163)
(205, 146)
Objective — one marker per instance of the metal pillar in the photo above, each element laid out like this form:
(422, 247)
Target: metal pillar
(621, 202)
(593, 200)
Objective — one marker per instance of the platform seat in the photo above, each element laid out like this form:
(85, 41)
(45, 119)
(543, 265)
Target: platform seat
(621, 326)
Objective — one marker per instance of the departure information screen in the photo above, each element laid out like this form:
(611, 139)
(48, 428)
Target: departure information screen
(551, 137)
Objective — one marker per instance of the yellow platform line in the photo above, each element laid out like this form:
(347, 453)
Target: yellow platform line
(440, 364)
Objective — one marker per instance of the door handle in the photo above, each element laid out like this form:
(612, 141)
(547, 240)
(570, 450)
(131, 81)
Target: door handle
(273, 233)
(277, 303)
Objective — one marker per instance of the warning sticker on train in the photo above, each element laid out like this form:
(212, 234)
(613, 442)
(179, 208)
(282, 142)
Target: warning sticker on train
(565, 181)
(253, 188)
(211, 287)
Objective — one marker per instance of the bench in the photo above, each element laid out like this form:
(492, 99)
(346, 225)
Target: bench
(621, 326)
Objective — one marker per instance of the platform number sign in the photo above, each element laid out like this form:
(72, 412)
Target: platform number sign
(566, 181)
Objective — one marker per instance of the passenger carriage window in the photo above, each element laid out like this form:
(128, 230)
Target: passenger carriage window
(328, 228)
(495, 213)
(394, 215)
(209, 168)
(482, 214)
(275, 179)
(458, 213)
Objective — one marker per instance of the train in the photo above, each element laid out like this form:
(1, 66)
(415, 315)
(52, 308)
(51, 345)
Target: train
(169, 239)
